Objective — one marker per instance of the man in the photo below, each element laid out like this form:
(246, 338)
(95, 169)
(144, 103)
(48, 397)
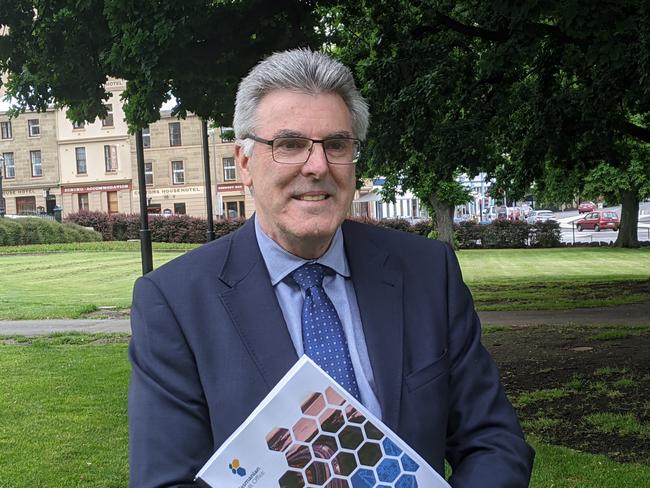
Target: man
(214, 330)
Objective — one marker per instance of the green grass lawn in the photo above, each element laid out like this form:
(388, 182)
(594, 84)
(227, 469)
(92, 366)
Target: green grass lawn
(69, 283)
(63, 404)
(72, 279)
(561, 278)
(64, 423)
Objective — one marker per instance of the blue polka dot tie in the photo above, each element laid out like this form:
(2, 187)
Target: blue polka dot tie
(322, 332)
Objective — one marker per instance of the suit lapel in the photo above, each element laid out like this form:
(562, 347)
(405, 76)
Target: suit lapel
(254, 309)
(378, 286)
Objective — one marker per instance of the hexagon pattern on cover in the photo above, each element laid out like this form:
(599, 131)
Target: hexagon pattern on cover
(333, 445)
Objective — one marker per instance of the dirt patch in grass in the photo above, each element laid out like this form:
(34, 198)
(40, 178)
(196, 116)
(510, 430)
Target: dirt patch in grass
(108, 313)
(561, 378)
(535, 295)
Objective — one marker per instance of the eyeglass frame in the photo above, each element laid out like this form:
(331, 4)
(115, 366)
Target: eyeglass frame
(269, 142)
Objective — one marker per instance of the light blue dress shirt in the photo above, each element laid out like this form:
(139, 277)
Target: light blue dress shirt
(338, 286)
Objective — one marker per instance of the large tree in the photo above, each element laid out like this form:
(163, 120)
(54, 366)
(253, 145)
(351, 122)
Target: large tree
(550, 86)
(62, 52)
(430, 117)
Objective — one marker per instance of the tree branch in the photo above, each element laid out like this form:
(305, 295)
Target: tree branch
(470, 30)
(637, 131)
(500, 35)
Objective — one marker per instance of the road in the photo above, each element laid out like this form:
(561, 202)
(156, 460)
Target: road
(570, 234)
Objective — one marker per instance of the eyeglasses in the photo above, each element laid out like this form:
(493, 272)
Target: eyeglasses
(296, 150)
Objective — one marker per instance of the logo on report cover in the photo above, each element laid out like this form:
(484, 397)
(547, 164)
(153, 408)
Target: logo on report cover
(236, 468)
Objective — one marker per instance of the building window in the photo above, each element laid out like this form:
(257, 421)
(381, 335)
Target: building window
(174, 133)
(33, 127)
(82, 199)
(178, 172)
(5, 128)
(110, 158)
(148, 173)
(229, 169)
(25, 205)
(80, 155)
(108, 120)
(78, 125)
(111, 197)
(231, 210)
(10, 168)
(146, 137)
(37, 165)
(179, 208)
(154, 208)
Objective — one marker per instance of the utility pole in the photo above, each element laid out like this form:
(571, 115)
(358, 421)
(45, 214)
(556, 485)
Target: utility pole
(2, 197)
(145, 233)
(208, 182)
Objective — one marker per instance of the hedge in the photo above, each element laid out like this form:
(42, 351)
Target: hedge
(508, 234)
(19, 232)
(175, 228)
(183, 228)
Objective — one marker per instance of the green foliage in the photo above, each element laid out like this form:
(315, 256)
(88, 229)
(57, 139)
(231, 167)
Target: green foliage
(40, 231)
(508, 234)
(530, 92)
(610, 181)
(194, 50)
(430, 119)
(175, 228)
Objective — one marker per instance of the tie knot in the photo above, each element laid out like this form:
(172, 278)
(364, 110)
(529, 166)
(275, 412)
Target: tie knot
(309, 275)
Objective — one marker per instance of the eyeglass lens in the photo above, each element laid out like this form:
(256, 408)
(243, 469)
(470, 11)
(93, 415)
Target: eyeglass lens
(298, 149)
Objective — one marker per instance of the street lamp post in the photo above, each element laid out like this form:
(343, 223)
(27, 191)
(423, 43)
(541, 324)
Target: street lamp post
(208, 182)
(2, 197)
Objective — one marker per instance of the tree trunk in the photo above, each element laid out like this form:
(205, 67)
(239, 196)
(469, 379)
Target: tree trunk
(627, 234)
(444, 220)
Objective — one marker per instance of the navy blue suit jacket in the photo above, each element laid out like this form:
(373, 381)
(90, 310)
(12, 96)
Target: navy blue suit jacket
(210, 341)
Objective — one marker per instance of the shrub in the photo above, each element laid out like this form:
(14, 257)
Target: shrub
(9, 232)
(40, 231)
(397, 224)
(175, 228)
(505, 234)
(100, 221)
(469, 235)
(546, 234)
(423, 227)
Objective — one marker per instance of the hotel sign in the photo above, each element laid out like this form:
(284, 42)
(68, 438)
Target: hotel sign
(230, 187)
(22, 192)
(95, 188)
(181, 190)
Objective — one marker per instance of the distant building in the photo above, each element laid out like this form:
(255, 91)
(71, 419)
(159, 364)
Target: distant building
(369, 203)
(174, 170)
(28, 145)
(50, 161)
(95, 160)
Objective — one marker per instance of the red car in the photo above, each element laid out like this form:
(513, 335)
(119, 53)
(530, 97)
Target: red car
(601, 219)
(585, 207)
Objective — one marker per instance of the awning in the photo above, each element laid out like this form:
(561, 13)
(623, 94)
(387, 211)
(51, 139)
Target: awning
(368, 197)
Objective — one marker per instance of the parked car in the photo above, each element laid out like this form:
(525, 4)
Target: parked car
(586, 207)
(508, 213)
(540, 216)
(600, 219)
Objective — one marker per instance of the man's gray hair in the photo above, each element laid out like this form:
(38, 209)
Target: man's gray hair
(300, 70)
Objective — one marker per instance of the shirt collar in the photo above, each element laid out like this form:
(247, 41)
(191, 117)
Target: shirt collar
(281, 263)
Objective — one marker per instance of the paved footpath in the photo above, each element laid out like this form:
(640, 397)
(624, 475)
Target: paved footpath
(634, 314)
